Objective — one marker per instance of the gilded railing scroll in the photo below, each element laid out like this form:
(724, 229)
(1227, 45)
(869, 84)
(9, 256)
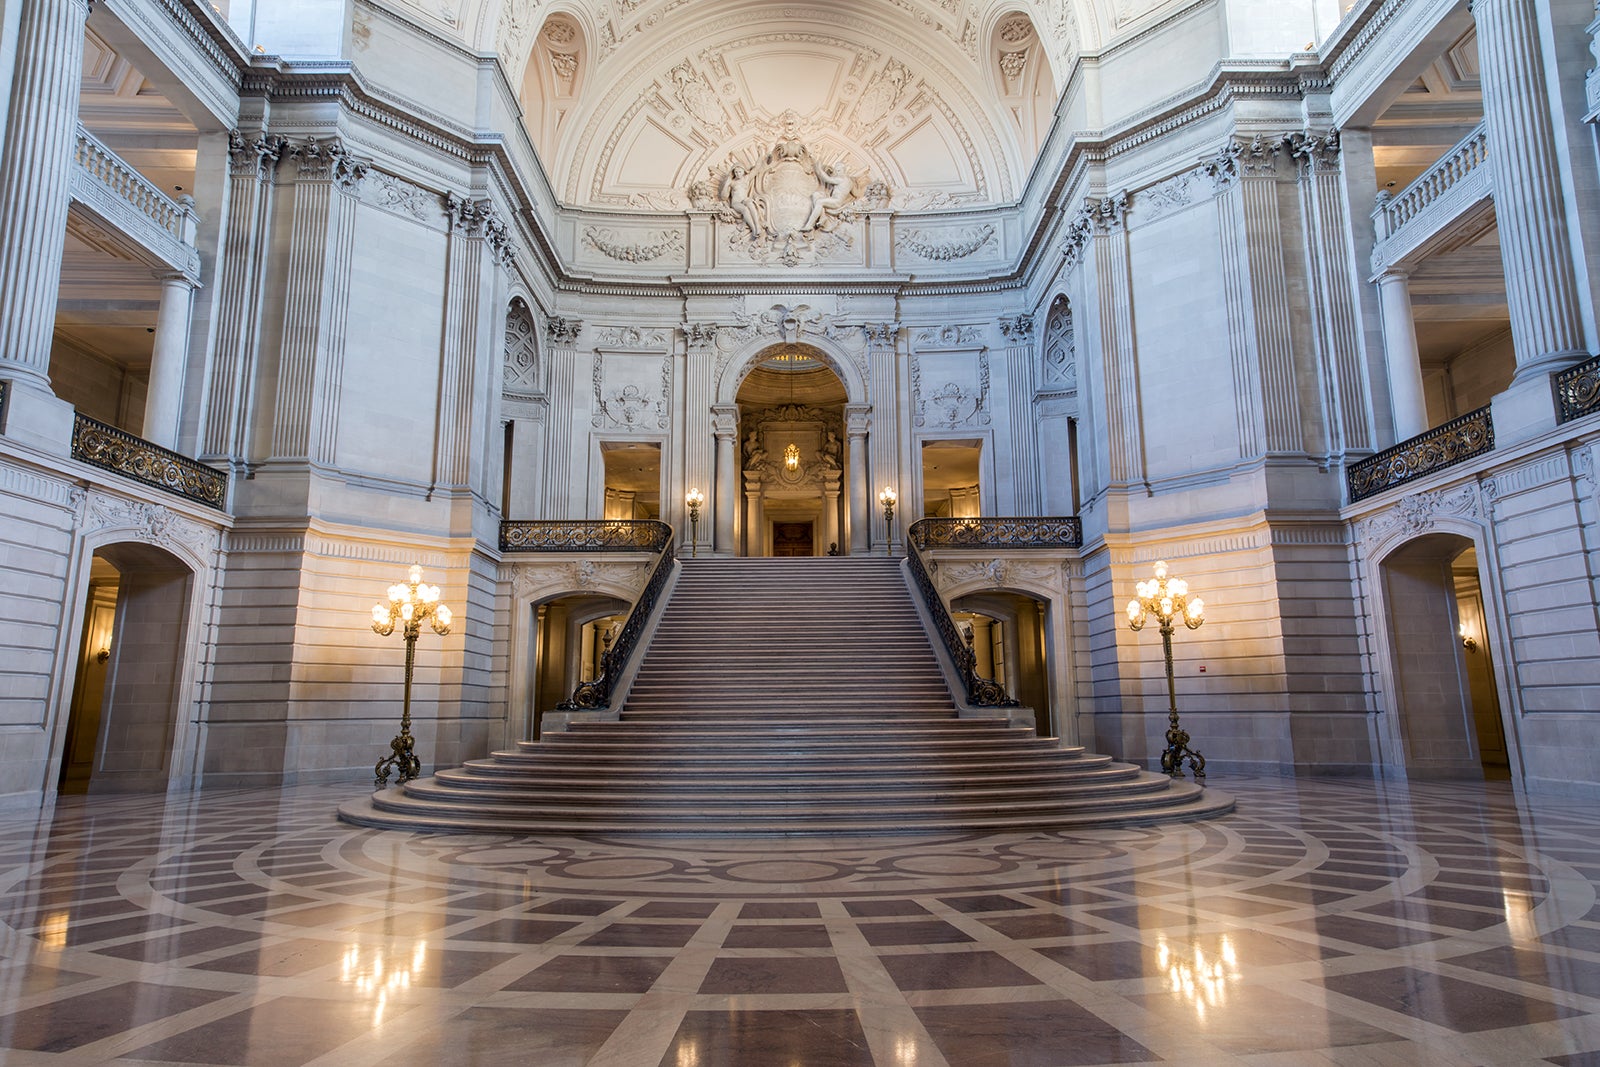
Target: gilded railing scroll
(1578, 389)
(580, 535)
(1059, 532)
(1443, 446)
(106, 447)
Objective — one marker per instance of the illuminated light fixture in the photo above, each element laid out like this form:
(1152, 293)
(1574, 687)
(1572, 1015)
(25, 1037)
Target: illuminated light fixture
(1168, 600)
(1468, 642)
(410, 604)
(791, 457)
(695, 499)
(888, 498)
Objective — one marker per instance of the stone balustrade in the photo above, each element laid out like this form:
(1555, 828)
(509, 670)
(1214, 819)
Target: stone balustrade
(129, 202)
(1447, 190)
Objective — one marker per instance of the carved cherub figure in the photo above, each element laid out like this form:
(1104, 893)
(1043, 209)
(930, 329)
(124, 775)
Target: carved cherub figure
(831, 197)
(736, 191)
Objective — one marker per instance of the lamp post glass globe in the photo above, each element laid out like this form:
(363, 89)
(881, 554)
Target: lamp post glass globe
(888, 498)
(1168, 600)
(410, 604)
(694, 498)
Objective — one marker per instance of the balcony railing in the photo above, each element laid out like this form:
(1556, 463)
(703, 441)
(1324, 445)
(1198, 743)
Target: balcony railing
(1578, 389)
(134, 205)
(1060, 532)
(584, 535)
(1443, 446)
(1406, 220)
(106, 447)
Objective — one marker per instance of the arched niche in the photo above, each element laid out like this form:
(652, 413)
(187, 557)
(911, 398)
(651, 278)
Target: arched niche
(1020, 68)
(553, 80)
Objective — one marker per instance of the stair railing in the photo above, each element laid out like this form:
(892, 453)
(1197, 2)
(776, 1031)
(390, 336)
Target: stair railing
(981, 692)
(614, 661)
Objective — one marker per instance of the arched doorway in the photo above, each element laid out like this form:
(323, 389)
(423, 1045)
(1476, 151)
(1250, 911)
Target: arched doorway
(123, 718)
(571, 635)
(1447, 710)
(1009, 636)
(792, 455)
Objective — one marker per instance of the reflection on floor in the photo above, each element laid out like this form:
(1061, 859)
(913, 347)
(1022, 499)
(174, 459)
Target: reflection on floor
(1325, 922)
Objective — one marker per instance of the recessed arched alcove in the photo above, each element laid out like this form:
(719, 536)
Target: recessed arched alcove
(1447, 718)
(792, 454)
(123, 716)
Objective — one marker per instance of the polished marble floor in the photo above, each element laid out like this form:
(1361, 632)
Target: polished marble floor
(1324, 922)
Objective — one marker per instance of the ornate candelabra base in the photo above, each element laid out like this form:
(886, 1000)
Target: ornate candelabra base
(1178, 750)
(402, 760)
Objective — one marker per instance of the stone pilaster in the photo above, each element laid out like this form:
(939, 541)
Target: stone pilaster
(1530, 209)
(240, 280)
(1334, 311)
(1106, 259)
(468, 351)
(1255, 278)
(316, 302)
(883, 389)
(1019, 333)
(562, 334)
(701, 369)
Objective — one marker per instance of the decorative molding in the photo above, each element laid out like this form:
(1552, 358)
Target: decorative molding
(521, 369)
(632, 337)
(604, 240)
(150, 523)
(952, 336)
(1018, 329)
(1420, 512)
(562, 331)
(401, 197)
(326, 159)
(959, 244)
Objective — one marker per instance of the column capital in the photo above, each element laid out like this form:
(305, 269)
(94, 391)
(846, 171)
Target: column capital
(857, 420)
(725, 420)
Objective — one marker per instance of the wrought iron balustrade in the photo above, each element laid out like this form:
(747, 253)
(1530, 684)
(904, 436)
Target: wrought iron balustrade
(614, 661)
(1578, 389)
(981, 692)
(1443, 446)
(1056, 532)
(584, 535)
(106, 447)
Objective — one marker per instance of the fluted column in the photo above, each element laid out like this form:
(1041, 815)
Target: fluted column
(1535, 246)
(163, 399)
(562, 335)
(1401, 356)
(725, 424)
(34, 171)
(856, 423)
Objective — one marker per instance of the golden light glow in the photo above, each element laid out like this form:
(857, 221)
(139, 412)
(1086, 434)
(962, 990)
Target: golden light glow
(53, 931)
(381, 979)
(791, 457)
(1198, 976)
(1168, 600)
(411, 603)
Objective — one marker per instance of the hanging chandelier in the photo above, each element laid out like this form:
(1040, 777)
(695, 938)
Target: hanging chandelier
(791, 457)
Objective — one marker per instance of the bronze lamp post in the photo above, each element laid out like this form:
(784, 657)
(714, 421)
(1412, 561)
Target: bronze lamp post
(410, 604)
(1168, 600)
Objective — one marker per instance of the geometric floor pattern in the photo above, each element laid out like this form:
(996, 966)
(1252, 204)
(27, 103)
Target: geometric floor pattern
(1323, 922)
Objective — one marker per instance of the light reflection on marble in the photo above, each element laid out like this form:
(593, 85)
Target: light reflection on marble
(1324, 922)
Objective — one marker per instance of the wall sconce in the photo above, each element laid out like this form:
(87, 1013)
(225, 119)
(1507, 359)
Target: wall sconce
(694, 498)
(104, 653)
(1468, 642)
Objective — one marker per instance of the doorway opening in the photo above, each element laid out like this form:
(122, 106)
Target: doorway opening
(950, 480)
(1007, 632)
(792, 455)
(571, 636)
(1448, 709)
(632, 479)
(122, 718)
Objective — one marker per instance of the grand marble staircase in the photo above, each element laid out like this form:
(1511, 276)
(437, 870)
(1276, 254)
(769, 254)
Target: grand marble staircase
(787, 696)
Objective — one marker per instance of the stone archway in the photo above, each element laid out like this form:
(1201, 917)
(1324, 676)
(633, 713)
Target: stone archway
(1446, 720)
(123, 717)
(792, 454)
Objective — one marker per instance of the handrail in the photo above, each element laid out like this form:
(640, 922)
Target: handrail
(981, 692)
(1065, 531)
(584, 535)
(1443, 446)
(1578, 389)
(106, 447)
(1393, 211)
(597, 694)
(133, 188)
